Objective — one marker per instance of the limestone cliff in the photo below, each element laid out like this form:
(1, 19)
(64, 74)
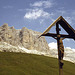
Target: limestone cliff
(23, 38)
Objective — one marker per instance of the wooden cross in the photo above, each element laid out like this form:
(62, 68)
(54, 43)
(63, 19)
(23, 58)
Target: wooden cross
(59, 37)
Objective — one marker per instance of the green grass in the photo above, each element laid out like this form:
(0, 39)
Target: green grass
(29, 64)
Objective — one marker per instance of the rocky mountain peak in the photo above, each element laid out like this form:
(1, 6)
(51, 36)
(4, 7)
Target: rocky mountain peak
(23, 37)
(5, 25)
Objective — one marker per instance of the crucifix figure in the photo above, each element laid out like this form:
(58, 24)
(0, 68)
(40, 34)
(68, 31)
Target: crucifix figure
(61, 51)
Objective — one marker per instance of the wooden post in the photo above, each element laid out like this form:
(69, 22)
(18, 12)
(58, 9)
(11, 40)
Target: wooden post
(59, 51)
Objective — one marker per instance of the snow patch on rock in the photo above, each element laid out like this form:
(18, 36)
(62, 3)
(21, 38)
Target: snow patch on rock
(5, 47)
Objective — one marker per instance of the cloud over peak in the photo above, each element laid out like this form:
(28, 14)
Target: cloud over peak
(53, 45)
(36, 13)
(45, 4)
(38, 10)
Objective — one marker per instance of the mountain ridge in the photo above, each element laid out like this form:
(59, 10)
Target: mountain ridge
(24, 38)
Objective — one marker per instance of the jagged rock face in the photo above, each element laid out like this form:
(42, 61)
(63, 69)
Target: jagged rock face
(23, 37)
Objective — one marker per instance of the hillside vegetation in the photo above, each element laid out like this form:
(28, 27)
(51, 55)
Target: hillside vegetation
(29, 64)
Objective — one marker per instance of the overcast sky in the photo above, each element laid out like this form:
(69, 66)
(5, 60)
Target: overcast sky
(38, 15)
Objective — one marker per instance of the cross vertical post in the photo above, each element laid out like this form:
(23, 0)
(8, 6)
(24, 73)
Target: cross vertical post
(59, 51)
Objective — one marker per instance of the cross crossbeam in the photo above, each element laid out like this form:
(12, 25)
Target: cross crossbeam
(55, 35)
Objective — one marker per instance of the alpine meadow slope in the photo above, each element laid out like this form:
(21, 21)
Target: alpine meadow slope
(30, 64)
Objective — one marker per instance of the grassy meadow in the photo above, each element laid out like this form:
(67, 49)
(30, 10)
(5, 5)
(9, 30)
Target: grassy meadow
(31, 64)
